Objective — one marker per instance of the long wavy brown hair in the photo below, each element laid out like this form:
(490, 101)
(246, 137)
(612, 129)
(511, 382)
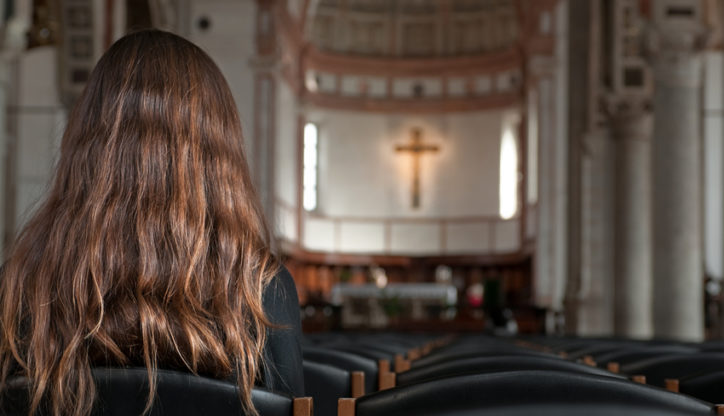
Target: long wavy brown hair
(150, 248)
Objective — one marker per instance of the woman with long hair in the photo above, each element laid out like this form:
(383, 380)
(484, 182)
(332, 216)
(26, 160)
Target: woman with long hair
(150, 248)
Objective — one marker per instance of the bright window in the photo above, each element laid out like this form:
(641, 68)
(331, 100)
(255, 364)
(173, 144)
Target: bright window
(310, 167)
(508, 173)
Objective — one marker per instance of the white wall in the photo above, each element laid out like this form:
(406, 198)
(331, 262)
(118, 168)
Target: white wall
(40, 121)
(361, 174)
(396, 236)
(365, 186)
(230, 42)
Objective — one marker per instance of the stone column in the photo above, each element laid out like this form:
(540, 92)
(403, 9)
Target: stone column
(14, 34)
(631, 127)
(676, 163)
(540, 72)
(266, 68)
(4, 144)
(597, 234)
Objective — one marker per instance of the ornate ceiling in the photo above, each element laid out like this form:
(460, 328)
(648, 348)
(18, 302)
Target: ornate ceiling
(412, 28)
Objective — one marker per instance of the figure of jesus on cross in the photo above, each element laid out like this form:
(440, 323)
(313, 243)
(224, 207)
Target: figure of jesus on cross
(416, 148)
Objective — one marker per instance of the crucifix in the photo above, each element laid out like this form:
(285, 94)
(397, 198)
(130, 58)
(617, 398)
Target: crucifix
(416, 148)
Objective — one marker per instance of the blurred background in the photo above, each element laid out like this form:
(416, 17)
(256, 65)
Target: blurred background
(531, 166)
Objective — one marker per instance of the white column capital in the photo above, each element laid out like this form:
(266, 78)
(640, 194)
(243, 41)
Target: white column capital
(676, 57)
(630, 117)
(675, 40)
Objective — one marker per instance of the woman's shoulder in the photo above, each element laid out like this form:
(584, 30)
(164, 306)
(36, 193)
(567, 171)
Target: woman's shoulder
(280, 300)
(283, 349)
(283, 279)
(281, 290)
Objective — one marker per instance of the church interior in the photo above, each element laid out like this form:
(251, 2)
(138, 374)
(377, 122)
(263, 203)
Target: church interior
(550, 172)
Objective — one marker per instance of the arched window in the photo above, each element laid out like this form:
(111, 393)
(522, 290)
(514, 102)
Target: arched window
(311, 135)
(508, 172)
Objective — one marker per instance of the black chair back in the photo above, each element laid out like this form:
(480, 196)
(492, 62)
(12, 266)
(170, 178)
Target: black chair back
(459, 354)
(521, 393)
(675, 366)
(483, 365)
(326, 384)
(709, 386)
(124, 391)
(628, 355)
(598, 349)
(363, 351)
(346, 361)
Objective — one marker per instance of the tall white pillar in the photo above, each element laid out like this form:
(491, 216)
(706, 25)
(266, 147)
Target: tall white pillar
(676, 168)
(632, 249)
(4, 140)
(544, 286)
(595, 312)
(14, 34)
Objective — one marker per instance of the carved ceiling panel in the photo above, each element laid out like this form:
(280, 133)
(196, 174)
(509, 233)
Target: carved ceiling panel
(413, 28)
(419, 39)
(375, 6)
(367, 37)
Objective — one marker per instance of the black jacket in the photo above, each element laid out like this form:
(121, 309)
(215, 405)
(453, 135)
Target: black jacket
(283, 352)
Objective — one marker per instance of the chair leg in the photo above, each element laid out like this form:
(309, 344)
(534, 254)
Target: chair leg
(401, 364)
(672, 385)
(345, 407)
(387, 380)
(358, 384)
(639, 379)
(303, 406)
(383, 365)
(413, 354)
(613, 367)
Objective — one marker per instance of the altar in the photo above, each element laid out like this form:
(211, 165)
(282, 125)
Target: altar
(367, 305)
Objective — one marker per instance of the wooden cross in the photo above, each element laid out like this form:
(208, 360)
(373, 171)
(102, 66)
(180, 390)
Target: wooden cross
(417, 148)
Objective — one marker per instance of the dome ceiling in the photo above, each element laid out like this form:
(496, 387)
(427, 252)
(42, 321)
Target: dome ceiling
(412, 28)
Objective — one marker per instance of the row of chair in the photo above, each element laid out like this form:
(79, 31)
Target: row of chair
(486, 375)
(354, 365)
(391, 374)
(695, 369)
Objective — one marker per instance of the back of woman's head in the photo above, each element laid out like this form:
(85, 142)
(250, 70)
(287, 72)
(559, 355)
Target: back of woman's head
(150, 247)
